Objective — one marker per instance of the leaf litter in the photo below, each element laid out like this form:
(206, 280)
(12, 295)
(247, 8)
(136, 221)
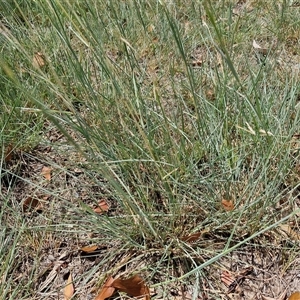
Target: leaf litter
(69, 288)
(89, 249)
(46, 172)
(107, 290)
(227, 204)
(30, 203)
(295, 296)
(102, 207)
(8, 153)
(192, 237)
(133, 286)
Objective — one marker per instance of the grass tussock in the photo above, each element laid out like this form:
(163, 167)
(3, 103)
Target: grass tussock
(182, 117)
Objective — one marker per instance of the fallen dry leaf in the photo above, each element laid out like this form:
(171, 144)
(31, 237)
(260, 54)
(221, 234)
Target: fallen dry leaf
(8, 153)
(89, 249)
(227, 204)
(133, 286)
(295, 296)
(192, 237)
(30, 203)
(38, 60)
(46, 172)
(69, 288)
(290, 232)
(227, 278)
(107, 290)
(102, 207)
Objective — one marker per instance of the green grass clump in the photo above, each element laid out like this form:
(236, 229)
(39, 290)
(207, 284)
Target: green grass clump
(167, 109)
